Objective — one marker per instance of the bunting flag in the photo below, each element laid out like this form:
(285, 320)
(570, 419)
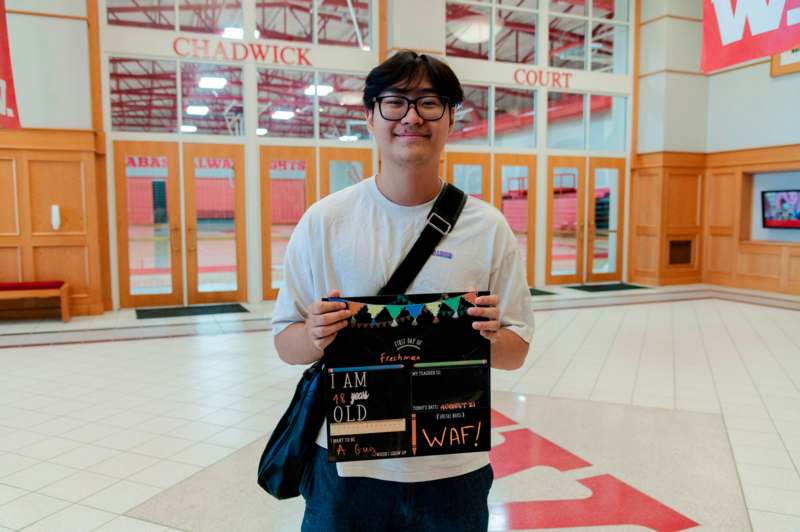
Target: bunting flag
(433, 308)
(453, 303)
(414, 310)
(394, 311)
(373, 311)
(355, 308)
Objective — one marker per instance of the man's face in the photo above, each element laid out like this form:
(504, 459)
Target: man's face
(410, 139)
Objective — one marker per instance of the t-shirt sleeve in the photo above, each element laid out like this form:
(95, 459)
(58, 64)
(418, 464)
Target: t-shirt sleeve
(508, 281)
(296, 294)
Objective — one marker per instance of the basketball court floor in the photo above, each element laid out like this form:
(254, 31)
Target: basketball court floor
(678, 409)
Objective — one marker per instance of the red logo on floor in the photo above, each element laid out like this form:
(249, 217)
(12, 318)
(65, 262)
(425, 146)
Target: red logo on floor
(612, 502)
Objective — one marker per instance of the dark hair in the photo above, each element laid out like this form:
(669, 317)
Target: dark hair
(405, 70)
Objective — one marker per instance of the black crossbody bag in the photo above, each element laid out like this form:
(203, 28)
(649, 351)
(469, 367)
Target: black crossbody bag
(290, 447)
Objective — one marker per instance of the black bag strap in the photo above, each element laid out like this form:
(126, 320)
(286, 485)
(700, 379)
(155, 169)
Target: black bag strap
(443, 216)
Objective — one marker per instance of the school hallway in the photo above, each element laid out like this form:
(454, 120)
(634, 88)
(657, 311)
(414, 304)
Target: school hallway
(666, 411)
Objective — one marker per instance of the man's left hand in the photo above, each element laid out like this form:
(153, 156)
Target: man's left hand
(487, 308)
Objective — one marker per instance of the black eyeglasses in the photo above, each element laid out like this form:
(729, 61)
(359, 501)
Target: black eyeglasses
(395, 107)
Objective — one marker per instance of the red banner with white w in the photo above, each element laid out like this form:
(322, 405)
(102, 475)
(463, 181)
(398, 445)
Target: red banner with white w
(735, 31)
(9, 117)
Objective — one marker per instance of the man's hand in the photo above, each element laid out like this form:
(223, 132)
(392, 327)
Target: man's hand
(487, 308)
(325, 320)
(508, 349)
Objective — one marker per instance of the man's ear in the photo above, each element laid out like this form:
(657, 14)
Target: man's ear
(368, 114)
(452, 115)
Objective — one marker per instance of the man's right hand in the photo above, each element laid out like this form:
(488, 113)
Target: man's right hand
(325, 320)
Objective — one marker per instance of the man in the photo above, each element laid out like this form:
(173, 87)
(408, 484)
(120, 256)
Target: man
(349, 244)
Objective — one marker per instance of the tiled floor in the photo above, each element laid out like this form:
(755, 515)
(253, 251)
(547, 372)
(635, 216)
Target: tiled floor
(91, 429)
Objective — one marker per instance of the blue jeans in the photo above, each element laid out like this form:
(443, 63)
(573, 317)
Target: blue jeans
(354, 504)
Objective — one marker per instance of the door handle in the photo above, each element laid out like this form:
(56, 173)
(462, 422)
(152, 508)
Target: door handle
(175, 238)
(191, 239)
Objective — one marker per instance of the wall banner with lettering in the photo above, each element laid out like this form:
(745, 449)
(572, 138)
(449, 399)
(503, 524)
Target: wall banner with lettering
(735, 31)
(408, 377)
(9, 117)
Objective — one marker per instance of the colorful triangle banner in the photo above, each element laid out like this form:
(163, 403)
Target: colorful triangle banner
(470, 298)
(414, 309)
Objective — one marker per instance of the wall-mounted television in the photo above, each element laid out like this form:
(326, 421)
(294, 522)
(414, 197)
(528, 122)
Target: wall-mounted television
(780, 209)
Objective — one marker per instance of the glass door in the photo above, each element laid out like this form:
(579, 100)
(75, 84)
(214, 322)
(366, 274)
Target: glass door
(288, 188)
(215, 230)
(471, 172)
(148, 223)
(606, 199)
(565, 215)
(342, 167)
(515, 196)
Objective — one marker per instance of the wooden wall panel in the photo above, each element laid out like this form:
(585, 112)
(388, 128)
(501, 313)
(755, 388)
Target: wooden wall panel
(48, 175)
(58, 182)
(10, 265)
(707, 198)
(793, 271)
(645, 222)
(67, 263)
(648, 192)
(721, 254)
(683, 200)
(721, 204)
(646, 259)
(759, 261)
(9, 197)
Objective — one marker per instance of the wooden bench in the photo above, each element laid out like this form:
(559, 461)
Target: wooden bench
(23, 290)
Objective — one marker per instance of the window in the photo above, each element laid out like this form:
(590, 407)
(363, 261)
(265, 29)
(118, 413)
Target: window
(570, 7)
(211, 99)
(607, 123)
(515, 40)
(144, 95)
(566, 119)
(504, 31)
(286, 103)
(287, 21)
(468, 30)
(589, 39)
(514, 118)
(472, 118)
(341, 111)
(344, 23)
(611, 9)
(609, 48)
(221, 17)
(158, 14)
(568, 42)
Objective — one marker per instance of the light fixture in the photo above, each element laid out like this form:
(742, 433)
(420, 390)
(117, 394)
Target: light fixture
(349, 97)
(197, 110)
(188, 129)
(207, 82)
(365, 48)
(256, 34)
(320, 90)
(473, 29)
(261, 131)
(282, 115)
(233, 33)
(348, 138)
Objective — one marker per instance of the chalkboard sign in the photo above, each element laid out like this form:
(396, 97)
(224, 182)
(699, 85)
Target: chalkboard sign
(408, 377)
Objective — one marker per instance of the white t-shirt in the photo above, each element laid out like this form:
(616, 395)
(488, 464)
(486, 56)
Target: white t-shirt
(353, 241)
